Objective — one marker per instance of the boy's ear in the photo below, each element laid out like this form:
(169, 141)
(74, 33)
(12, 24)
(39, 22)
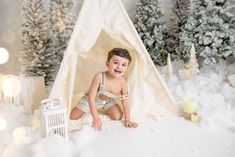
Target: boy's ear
(107, 63)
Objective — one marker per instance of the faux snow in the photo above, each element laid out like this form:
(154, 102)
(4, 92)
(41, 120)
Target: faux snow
(161, 137)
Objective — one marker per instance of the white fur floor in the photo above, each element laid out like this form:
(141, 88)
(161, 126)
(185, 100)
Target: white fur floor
(213, 137)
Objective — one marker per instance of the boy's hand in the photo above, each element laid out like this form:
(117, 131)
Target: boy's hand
(130, 124)
(97, 123)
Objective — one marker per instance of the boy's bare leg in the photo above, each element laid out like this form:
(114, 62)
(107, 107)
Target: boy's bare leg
(76, 113)
(115, 112)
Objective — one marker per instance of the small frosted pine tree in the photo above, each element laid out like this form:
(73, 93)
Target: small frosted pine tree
(169, 67)
(151, 26)
(36, 57)
(193, 64)
(62, 23)
(178, 19)
(211, 27)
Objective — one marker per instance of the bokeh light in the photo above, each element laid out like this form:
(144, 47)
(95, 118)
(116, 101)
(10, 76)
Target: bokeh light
(4, 55)
(11, 86)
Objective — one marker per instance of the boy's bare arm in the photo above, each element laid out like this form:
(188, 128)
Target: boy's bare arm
(127, 115)
(92, 94)
(92, 104)
(126, 109)
(125, 102)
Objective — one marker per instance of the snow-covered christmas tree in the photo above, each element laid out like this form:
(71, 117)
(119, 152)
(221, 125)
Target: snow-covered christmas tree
(211, 27)
(151, 26)
(178, 19)
(37, 59)
(62, 22)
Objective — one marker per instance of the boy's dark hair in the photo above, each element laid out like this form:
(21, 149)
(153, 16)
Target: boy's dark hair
(119, 52)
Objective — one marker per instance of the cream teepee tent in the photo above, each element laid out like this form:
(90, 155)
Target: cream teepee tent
(101, 26)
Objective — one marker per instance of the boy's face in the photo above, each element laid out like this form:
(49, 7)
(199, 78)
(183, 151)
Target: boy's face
(117, 66)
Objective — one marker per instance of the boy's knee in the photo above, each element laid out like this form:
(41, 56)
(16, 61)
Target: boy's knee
(117, 116)
(72, 117)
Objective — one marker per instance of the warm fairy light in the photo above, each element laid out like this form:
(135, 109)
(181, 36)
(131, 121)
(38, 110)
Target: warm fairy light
(190, 106)
(4, 55)
(3, 124)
